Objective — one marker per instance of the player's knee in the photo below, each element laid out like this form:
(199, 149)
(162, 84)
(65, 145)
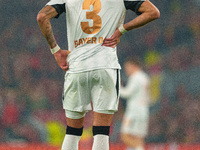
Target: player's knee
(74, 114)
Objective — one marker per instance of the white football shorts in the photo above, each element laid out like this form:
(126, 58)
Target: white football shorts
(97, 89)
(136, 125)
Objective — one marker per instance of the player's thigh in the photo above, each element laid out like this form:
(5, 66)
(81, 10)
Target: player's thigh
(76, 95)
(105, 90)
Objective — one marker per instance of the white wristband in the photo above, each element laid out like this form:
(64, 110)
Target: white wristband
(122, 30)
(55, 49)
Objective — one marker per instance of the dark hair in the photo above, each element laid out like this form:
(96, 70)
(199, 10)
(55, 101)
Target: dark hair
(134, 60)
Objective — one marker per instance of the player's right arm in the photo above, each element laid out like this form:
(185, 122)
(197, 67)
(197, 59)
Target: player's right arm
(148, 12)
(43, 19)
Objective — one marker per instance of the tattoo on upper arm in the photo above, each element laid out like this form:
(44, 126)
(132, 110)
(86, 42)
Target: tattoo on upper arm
(49, 11)
(46, 28)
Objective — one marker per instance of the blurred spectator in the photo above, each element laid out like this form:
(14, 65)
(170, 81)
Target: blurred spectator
(10, 110)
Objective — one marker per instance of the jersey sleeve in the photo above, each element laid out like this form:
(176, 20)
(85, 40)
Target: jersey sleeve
(133, 5)
(59, 5)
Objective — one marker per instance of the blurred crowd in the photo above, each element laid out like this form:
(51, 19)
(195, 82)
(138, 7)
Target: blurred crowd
(31, 82)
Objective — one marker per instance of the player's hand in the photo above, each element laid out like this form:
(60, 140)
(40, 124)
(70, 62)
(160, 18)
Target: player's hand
(61, 59)
(114, 40)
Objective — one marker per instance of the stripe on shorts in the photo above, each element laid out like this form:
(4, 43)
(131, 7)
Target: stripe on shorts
(117, 83)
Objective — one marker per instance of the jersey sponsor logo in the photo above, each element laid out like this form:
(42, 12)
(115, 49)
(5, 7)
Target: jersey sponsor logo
(88, 40)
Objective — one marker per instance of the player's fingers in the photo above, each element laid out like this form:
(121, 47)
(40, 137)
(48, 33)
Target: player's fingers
(109, 39)
(105, 41)
(113, 46)
(110, 44)
(67, 66)
(64, 68)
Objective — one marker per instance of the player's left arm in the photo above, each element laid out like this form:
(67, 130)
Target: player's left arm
(148, 12)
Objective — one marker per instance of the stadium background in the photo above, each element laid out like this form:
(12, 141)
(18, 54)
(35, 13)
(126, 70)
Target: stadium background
(31, 114)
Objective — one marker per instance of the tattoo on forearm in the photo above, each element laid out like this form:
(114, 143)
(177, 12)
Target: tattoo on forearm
(49, 35)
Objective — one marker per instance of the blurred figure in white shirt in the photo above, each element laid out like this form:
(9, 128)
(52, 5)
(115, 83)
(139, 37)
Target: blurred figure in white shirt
(136, 92)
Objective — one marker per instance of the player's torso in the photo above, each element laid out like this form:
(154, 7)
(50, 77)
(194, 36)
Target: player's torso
(88, 23)
(140, 97)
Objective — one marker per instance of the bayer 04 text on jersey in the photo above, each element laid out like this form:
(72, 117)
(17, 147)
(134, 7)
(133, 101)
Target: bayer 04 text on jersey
(88, 40)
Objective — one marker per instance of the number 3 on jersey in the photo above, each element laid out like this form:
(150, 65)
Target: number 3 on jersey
(92, 15)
